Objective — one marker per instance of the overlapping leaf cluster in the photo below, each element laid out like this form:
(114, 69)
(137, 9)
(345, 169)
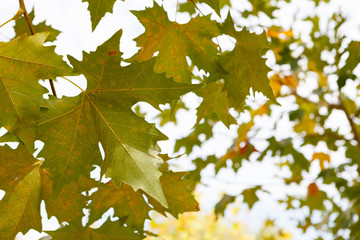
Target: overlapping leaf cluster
(98, 128)
(328, 60)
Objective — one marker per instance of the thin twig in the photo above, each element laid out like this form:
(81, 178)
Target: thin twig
(192, 1)
(32, 31)
(16, 16)
(27, 17)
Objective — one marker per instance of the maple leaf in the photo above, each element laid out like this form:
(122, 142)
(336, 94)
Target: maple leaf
(214, 100)
(322, 157)
(124, 200)
(64, 207)
(175, 42)
(103, 114)
(315, 198)
(250, 196)
(109, 230)
(214, 4)
(97, 9)
(305, 125)
(20, 178)
(222, 204)
(131, 205)
(23, 61)
(246, 68)
(22, 27)
(354, 54)
(76, 152)
(178, 194)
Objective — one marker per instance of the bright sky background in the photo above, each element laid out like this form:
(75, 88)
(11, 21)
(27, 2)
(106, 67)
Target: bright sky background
(73, 20)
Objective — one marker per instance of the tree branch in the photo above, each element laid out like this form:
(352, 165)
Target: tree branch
(32, 31)
(27, 17)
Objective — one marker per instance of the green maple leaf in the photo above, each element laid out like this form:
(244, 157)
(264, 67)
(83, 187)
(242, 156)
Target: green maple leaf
(20, 178)
(250, 196)
(178, 193)
(131, 205)
(222, 204)
(22, 27)
(108, 231)
(215, 101)
(124, 200)
(246, 68)
(68, 206)
(177, 41)
(9, 137)
(354, 54)
(103, 114)
(23, 61)
(76, 152)
(97, 9)
(214, 4)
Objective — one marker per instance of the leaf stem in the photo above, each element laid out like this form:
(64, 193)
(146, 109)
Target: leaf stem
(32, 31)
(16, 16)
(27, 17)
(192, 1)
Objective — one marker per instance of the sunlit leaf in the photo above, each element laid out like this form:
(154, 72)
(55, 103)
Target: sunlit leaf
(23, 62)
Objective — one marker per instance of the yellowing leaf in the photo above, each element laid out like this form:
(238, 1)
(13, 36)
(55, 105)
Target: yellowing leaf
(103, 114)
(20, 178)
(312, 189)
(322, 157)
(276, 82)
(177, 41)
(215, 101)
(124, 200)
(263, 109)
(69, 204)
(22, 27)
(178, 193)
(305, 125)
(246, 67)
(108, 231)
(280, 33)
(23, 61)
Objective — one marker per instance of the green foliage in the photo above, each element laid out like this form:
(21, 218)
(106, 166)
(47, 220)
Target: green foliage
(311, 118)
(99, 129)
(21, 27)
(73, 127)
(97, 9)
(175, 42)
(21, 95)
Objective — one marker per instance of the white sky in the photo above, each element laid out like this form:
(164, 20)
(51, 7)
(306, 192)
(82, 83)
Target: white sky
(73, 20)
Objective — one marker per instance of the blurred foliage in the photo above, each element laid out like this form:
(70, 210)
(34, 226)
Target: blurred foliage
(323, 61)
(199, 226)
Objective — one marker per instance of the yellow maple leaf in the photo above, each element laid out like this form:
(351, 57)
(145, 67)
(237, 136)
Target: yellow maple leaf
(322, 157)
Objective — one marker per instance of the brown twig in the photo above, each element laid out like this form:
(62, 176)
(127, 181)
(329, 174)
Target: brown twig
(32, 31)
(27, 17)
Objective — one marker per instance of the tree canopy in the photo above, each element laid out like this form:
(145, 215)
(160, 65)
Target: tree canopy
(219, 55)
